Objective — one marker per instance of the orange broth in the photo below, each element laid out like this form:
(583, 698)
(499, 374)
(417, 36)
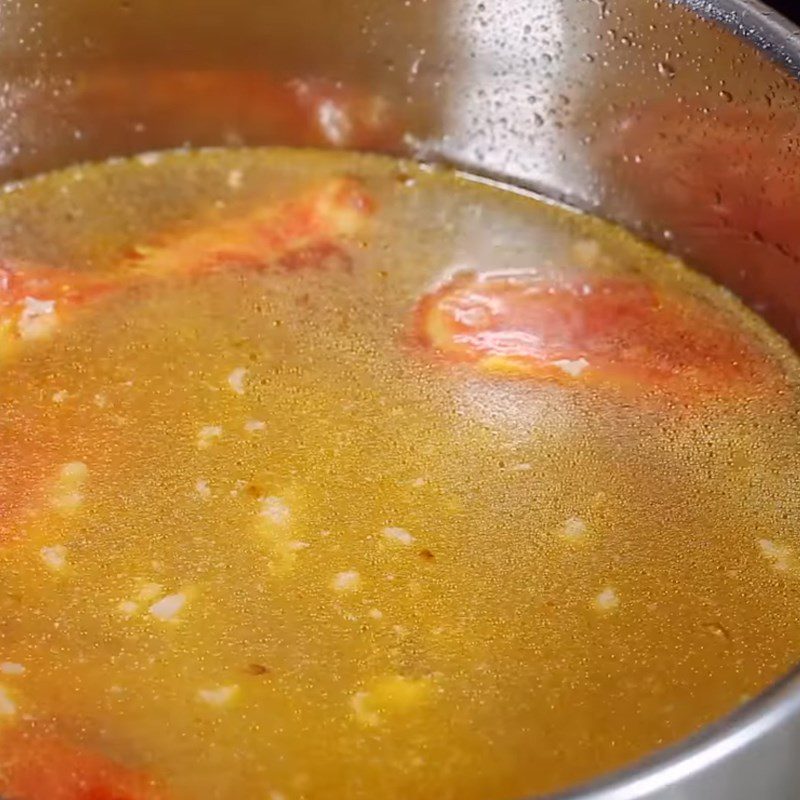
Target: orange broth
(332, 476)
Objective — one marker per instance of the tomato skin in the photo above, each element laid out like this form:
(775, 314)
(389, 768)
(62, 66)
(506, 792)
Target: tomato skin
(37, 766)
(610, 332)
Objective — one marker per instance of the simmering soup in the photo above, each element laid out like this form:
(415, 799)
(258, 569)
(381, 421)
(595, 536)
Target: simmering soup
(330, 476)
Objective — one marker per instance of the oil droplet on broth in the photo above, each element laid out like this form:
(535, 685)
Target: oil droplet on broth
(253, 507)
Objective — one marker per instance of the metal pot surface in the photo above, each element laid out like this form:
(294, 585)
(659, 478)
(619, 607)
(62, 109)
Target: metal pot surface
(678, 119)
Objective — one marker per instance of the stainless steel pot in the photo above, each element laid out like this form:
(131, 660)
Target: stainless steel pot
(680, 120)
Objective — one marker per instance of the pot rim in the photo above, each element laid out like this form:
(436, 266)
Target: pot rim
(713, 744)
(757, 23)
(779, 40)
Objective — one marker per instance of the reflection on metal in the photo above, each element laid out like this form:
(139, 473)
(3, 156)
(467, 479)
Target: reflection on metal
(511, 90)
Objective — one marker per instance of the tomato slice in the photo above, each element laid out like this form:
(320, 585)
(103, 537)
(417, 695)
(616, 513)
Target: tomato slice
(287, 234)
(46, 767)
(614, 332)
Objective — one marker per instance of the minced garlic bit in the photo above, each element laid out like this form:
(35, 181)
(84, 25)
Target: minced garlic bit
(202, 488)
(236, 380)
(389, 695)
(572, 367)
(779, 555)
(7, 706)
(253, 425)
(276, 510)
(100, 400)
(54, 557)
(277, 796)
(38, 319)
(60, 396)
(220, 696)
(273, 524)
(348, 581)
(607, 600)
(398, 535)
(234, 179)
(67, 493)
(375, 613)
(127, 608)
(360, 704)
(167, 608)
(12, 668)
(207, 435)
(573, 530)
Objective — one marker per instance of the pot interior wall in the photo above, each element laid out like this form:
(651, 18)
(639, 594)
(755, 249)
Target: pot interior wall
(640, 110)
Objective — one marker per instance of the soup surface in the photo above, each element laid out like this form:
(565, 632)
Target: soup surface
(330, 476)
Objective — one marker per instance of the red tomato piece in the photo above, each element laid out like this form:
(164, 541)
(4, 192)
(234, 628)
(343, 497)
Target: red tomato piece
(617, 332)
(46, 767)
(288, 234)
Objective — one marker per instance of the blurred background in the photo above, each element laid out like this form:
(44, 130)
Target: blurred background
(790, 8)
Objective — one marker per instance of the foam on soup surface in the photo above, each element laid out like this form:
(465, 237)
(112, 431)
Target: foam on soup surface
(327, 476)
